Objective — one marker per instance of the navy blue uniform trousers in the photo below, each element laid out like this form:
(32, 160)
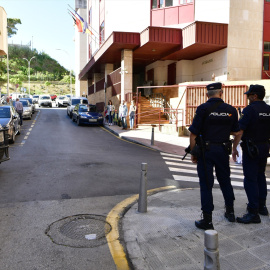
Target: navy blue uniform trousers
(254, 176)
(216, 157)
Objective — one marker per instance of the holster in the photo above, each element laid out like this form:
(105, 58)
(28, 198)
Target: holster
(196, 151)
(250, 147)
(228, 147)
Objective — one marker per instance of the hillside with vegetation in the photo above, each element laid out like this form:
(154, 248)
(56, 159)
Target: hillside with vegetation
(46, 74)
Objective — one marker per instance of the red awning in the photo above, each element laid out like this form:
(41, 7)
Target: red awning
(159, 43)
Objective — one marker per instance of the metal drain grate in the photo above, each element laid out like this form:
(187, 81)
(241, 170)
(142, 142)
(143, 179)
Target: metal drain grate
(82, 231)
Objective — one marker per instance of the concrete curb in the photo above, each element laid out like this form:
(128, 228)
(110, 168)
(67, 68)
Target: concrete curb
(113, 238)
(130, 140)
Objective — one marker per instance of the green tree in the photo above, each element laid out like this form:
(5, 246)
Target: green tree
(11, 23)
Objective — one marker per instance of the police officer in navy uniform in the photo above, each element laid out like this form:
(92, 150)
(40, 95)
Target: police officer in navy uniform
(255, 134)
(213, 124)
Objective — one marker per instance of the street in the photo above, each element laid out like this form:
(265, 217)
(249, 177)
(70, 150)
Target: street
(57, 170)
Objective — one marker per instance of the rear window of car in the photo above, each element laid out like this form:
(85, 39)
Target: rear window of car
(24, 103)
(87, 108)
(45, 97)
(29, 99)
(35, 96)
(61, 97)
(75, 101)
(4, 113)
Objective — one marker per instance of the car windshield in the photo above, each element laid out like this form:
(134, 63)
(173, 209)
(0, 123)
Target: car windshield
(24, 103)
(45, 98)
(88, 108)
(35, 96)
(61, 97)
(4, 112)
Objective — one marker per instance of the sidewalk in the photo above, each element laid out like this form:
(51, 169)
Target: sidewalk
(162, 142)
(166, 238)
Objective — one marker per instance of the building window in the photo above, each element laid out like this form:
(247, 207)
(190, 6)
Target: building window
(166, 3)
(101, 32)
(266, 62)
(90, 16)
(267, 46)
(154, 4)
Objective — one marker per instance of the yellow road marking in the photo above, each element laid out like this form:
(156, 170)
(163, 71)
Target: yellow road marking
(128, 141)
(116, 248)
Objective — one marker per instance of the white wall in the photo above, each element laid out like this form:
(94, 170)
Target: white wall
(95, 25)
(81, 54)
(206, 65)
(126, 16)
(212, 10)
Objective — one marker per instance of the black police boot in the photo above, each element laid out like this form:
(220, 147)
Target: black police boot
(205, 223)
(263, 209)
(252, 216)
(229, 213)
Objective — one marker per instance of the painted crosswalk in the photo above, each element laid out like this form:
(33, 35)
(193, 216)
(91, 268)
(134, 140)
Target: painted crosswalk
(186, 171)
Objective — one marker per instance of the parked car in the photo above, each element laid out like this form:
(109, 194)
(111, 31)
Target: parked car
(53, 97)
(87, 114)
(31, 102)
(45, 100)
(27, 109)
(10, 119)
(62, 101)
(74, 101)
(35, 99)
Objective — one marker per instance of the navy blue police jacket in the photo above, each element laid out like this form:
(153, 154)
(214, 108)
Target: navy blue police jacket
(255, 122)
(217, 126)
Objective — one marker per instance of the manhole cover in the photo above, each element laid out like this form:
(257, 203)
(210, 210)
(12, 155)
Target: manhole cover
(82, 231)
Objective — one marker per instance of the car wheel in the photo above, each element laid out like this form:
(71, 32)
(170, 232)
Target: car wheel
(78, 121)
(70, 115)
(73, 120)
(51, 105)
(12, 139)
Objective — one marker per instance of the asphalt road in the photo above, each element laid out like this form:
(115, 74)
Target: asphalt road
(58, 170)
(59, 159)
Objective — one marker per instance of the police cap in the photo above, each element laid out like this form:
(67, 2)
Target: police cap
(214, 86)
(255, 89)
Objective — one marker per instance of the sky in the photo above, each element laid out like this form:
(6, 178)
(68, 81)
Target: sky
(47, 25)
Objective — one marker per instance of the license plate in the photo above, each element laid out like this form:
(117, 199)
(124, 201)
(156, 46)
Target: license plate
(92, 120)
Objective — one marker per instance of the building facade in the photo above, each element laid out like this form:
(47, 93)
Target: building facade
(3, 32)
(169, 42)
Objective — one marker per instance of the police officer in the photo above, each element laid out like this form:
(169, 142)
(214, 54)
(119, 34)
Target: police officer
(255, 132)
(210, 131)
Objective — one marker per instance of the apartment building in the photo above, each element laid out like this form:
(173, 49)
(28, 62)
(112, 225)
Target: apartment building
(3, 32)
(169, 42)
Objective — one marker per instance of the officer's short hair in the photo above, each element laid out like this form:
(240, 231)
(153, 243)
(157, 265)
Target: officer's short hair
(257, 89)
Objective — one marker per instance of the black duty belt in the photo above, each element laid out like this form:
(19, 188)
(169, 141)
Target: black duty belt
(215, 143)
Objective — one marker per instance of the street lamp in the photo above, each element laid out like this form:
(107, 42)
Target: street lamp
(29, 61)
(69, 70)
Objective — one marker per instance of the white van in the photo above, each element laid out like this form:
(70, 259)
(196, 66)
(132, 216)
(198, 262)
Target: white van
(45, 100)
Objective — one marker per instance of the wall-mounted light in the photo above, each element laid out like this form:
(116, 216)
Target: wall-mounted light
(123, 71)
